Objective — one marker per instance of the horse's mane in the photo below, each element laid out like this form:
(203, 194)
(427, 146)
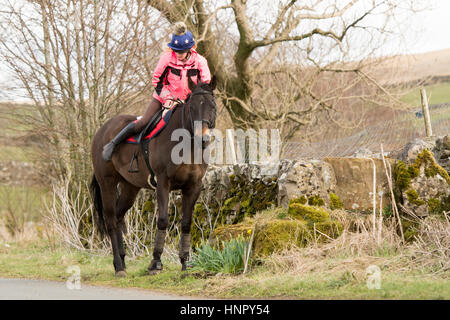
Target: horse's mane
(204, 86)
(200, 86)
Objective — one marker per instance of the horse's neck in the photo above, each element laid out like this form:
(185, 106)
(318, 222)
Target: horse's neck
(183, 112)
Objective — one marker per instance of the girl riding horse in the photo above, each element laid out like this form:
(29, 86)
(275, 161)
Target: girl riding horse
(114, 187)
(170, 80)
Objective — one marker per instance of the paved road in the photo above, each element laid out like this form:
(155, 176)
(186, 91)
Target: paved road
(24, 289)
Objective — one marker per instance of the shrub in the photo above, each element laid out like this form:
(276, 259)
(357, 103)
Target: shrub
(228, 258)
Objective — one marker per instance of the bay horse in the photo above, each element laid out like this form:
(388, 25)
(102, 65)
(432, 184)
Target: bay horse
(114, 188)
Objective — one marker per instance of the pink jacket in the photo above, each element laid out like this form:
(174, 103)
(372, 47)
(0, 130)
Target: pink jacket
(170, 75)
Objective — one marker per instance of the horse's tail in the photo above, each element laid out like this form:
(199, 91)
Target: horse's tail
(98, 206)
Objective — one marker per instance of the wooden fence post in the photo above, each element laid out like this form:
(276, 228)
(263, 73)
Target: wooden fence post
(426, 113)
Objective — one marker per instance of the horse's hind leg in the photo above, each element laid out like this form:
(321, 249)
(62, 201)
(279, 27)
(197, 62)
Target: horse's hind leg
(125, 201)
(162, 195)
(109, 193)
(190, 196)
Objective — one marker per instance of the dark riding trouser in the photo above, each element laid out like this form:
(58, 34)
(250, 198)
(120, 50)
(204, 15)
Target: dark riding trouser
(131, 128)
(151, 110)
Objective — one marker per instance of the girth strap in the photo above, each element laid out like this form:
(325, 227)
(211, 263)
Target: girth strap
(144, 147)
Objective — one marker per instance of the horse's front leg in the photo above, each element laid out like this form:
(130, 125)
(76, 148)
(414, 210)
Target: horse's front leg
(190, 196)
(162, 196)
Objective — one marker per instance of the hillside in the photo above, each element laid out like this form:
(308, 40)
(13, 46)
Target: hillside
(408, 68)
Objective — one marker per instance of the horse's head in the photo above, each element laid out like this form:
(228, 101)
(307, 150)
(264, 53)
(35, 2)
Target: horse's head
(202, 107)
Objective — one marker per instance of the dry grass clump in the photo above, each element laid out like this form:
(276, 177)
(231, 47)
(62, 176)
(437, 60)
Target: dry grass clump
(27, 232)
(357, 248)
(431, 250)
(66, 213)
(70, 216)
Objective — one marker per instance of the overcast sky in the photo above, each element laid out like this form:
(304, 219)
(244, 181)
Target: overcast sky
(430, 29)
(426, 31)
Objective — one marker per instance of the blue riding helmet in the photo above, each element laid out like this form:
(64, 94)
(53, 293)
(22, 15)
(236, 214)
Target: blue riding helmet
(182, 42)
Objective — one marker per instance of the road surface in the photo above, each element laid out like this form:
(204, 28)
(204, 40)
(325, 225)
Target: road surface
(24, 289)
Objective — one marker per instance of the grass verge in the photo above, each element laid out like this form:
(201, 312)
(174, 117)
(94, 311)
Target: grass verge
(36, 260)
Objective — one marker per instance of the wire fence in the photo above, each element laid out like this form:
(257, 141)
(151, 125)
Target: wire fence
(393, 134)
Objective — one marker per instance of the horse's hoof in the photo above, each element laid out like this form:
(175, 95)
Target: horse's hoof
(155, 267)
(121, 274)
(153, 272)
(186, 266)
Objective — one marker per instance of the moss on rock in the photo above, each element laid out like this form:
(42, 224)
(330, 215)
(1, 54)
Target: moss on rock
(245, 198)
(445, 203)
(335, 202)
(434, 206)
(316, 201)
(431, 167)
(403, 173)
(413, 197)
(308, 213)
(402, 176)
(301, 200)
(280, 234)
(274, 233)
(227, 232)
(439, 205)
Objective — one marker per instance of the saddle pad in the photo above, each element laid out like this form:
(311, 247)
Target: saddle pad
(160, 125)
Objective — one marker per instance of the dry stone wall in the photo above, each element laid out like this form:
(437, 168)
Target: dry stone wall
(235, 193)
(239, 188)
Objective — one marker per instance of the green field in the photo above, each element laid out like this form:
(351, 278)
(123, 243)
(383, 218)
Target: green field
(24, 202)
(16, 153)
(436, 93)
(20, 201)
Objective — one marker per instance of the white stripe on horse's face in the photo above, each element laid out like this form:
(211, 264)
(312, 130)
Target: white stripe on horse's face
(206, 133)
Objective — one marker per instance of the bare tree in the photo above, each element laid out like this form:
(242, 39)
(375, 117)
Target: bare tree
(80, 62)
(286, 64)
(273, 59)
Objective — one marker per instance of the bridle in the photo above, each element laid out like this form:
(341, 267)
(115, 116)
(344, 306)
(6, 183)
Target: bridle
(208, 122)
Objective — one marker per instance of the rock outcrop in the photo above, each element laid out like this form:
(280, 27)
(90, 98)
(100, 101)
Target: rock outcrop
(354, 181)
(423, 186)
(314, 178)
(442, 152)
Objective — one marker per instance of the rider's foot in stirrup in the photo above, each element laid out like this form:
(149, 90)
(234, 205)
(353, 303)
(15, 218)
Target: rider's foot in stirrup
(108, 151)
(120, 137)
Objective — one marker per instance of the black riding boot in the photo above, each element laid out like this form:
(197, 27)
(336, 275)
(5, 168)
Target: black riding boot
(120, 137)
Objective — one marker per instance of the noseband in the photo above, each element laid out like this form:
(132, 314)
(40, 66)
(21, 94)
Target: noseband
(196, 92)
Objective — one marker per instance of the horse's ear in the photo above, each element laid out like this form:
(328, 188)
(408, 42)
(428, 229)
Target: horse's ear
(213, 83)
(191, 84)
